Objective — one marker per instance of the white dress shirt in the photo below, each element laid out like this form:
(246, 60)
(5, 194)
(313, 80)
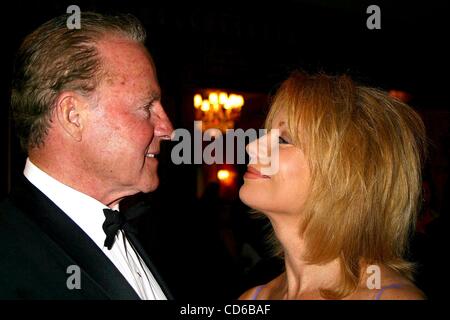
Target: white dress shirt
(88, 214)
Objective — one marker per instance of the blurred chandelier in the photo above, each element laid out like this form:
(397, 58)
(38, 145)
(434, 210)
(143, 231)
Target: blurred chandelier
(220, 110)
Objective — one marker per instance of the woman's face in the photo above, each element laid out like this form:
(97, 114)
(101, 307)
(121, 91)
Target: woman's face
(285, 190)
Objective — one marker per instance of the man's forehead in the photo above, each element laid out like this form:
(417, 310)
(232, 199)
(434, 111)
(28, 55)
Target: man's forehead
(126, 57)
(144, 78)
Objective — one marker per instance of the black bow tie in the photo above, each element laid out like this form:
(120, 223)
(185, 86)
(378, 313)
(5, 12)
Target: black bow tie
(116, 221)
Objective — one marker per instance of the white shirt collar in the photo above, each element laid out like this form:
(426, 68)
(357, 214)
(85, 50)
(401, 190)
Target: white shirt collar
(84, 210)
(87, 213)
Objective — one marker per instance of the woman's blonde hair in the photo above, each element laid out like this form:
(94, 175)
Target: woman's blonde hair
(365, 150)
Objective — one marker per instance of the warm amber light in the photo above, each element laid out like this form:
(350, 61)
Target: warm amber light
(198, 100)
(223, 98)
(213, 98)
(239, 101)
(223, 175)
(228, 105)
(205, 106)
(232, 99)
(220, 109)
(400, 95)
(235, 100)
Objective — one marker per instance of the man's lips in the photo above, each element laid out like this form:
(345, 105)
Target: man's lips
(253, 173)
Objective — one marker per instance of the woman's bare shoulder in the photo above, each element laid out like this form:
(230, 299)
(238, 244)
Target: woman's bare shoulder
(265, 290)
(397, 287)
(403, 292)
(248, 295)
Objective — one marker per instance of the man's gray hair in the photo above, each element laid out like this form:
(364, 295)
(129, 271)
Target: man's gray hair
(54, 58)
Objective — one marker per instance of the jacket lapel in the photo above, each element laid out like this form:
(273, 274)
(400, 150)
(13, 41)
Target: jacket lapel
(137, 245)
(72, 240)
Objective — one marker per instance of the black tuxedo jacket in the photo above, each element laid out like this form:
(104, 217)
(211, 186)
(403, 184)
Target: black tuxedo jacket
(38, 242)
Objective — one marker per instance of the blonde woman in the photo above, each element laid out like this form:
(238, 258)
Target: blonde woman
(345, 196)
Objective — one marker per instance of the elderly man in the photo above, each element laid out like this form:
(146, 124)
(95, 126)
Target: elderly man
(87, 106)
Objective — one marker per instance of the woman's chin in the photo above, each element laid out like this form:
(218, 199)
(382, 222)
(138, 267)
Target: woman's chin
(249, 198)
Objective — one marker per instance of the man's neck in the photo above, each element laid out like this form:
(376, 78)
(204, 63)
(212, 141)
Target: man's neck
(64, 172)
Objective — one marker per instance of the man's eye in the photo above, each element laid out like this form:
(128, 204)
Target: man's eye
(149, 107)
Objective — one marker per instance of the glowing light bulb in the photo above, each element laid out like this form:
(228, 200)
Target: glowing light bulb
(205, 106)
(213, 98)
(239, 101)
(198, 100)
(223, 98)
(223, 175)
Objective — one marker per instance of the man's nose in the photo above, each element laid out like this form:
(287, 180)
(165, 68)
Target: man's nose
(163, 126)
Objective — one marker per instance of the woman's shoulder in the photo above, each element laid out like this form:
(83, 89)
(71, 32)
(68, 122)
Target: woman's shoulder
(262, 291)
(393, 286)
(398, 287)
(400, 291)
(250, 293)
(389, 284)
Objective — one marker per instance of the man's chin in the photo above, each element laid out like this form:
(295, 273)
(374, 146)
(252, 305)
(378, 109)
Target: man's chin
(150, 186)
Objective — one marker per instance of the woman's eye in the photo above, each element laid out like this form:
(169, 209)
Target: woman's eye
(281, 140)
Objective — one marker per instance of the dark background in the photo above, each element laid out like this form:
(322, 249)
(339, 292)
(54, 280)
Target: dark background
(201, 244)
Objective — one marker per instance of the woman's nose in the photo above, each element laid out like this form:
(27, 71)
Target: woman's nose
(258, 149)
(252, 149)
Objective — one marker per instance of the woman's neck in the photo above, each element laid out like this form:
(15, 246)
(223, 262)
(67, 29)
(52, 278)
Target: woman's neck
(301, 277)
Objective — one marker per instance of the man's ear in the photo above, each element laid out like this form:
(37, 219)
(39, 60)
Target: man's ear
(69, 109)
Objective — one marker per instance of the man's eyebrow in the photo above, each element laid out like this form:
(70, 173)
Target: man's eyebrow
(155, 95)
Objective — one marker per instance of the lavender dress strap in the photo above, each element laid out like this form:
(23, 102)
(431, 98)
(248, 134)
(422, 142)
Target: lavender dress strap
(257, 291)
(392, 286)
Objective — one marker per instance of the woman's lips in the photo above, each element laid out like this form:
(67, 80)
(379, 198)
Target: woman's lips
(252, 173)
